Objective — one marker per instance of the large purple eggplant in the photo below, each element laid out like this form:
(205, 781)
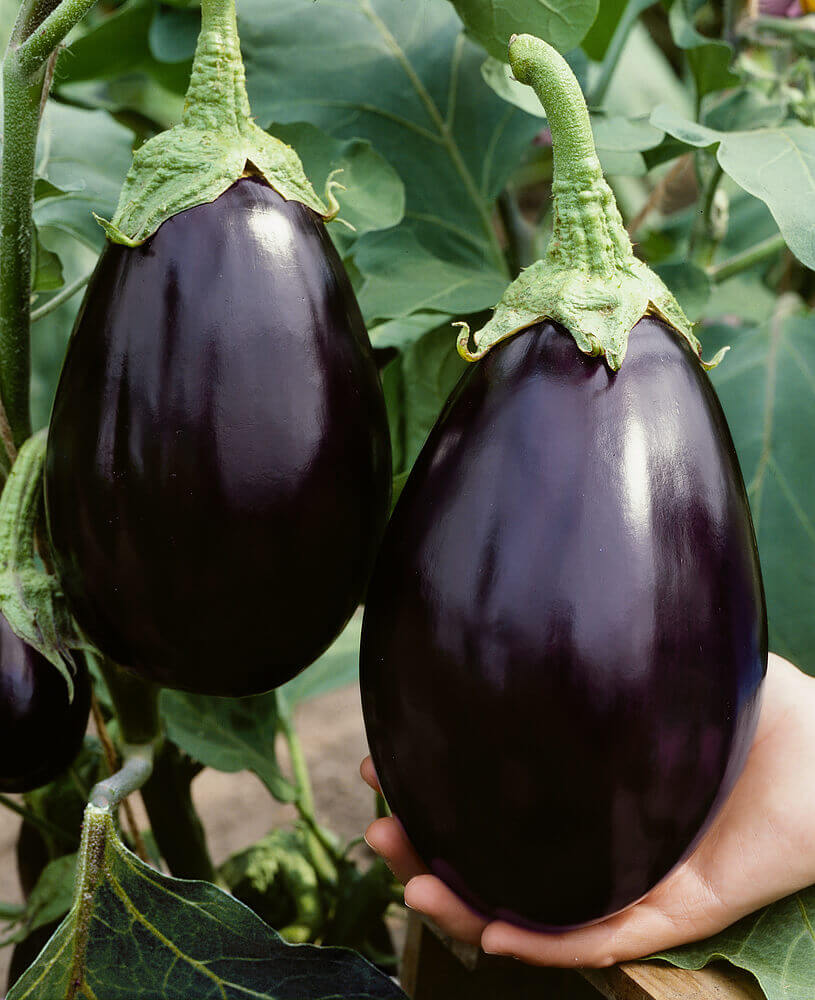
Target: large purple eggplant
(218, 465)
(565, 637)
(41, 730)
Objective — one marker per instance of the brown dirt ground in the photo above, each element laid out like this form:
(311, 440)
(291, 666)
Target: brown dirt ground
(236, 809)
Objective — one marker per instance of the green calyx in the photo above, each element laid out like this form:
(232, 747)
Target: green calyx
(589, 281)
(30, 598)
(215, 144)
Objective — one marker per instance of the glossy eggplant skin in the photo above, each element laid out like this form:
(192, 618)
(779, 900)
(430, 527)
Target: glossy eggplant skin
(218, 466)
(41, 731)
(565, 637)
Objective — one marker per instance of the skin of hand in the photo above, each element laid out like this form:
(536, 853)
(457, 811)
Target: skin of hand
(760, 848)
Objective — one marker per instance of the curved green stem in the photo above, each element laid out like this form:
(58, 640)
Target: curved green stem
(62, 295)
(587, 227)
(545, 70)
(137, 766)
(747, 258)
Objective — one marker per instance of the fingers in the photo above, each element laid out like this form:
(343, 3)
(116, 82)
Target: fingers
(432, 897)
(639, 931)
(387, 839)
(366, 769)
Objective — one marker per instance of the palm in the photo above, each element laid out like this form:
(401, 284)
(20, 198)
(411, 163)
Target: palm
(761, 847)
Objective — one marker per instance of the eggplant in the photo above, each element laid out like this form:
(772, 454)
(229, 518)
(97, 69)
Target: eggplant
(218, 467)
(565, 636)
(41, 727)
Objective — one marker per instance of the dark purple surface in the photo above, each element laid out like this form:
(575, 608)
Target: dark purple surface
(565, 636)
(41, 731)
(218, 468)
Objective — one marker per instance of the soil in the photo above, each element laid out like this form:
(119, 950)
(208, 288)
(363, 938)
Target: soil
(236, 809)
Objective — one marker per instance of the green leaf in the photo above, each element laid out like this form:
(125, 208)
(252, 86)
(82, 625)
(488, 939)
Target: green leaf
(402, 76)
(402, 277)
(767, 389)
(229, 734)
(598, 37)
(562, 23)
(112, 66)
(776, 944)
(336, 668)
(709, 58)
(136, 934)
(173, 33)
(49, 901)
(86, 155)
(46, 267)
(776, 165)
(690, 284)
(418, 383)
(374, 195)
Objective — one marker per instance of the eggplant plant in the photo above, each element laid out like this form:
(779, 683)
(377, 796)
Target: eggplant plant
(230, 273)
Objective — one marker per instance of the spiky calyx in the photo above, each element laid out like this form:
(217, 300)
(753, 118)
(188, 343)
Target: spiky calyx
(215, 144)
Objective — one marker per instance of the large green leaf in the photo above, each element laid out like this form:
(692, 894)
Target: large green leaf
(776, 944)
(767, 387)
(562, 23)
(374, 195)
(114, 64)
(49, 901)
(775, 164)
(229, 734)
(403, 76)
(85, 156)
(136, 934)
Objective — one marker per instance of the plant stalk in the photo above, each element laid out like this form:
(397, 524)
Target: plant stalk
(42, 824)
(28, 66)
(135, 701)
(615, 50)
(747, 258)
(62, 295)
(173, 818)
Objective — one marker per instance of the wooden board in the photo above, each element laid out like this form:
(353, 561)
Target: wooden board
(436, 968)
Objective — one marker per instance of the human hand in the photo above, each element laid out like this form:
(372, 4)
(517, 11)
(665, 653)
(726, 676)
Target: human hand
(760, 847)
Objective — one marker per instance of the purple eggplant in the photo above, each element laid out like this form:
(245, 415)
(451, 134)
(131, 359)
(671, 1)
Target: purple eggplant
(218, 467)
(565, 636)
(41, 729)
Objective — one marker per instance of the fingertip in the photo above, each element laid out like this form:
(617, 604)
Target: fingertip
(368, 772)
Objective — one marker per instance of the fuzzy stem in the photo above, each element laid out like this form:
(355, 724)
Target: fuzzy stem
(547, 72)
(22, 97)
(27, 70)
(217, 60)
(34, 52)
(588, 229)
